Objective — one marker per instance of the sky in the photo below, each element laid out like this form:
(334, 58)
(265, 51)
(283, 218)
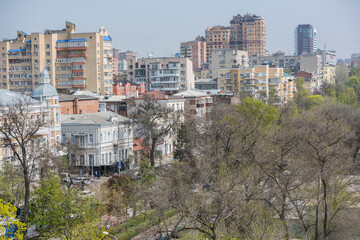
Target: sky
(159, 26)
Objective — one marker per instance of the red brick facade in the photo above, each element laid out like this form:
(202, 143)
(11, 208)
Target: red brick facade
(79, 106)
(128, 88)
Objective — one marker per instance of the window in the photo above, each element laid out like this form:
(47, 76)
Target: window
(35, 54)
(3, 55)
(47, 61)
(63, 137)
(47, 45)
(82, 160)
(82, 141)
(102, 159)
(108, 136)
(101, 137)
(91, 160)
(72, 138)
(91, 138)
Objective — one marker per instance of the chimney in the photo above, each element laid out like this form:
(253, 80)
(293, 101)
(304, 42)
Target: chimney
(76, 105)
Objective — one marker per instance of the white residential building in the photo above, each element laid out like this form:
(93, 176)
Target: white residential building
(103, 140)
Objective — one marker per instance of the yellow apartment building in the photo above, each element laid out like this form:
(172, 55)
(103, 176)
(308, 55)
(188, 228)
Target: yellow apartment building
(260, 81)
(73, 60)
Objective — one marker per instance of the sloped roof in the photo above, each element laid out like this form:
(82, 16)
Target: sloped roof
(91, 118)
(10, 98)
(191, 93)
(44, 89)
(64, 98)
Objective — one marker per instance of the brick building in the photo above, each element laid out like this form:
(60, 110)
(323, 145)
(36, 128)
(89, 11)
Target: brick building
(78, 104)
(128, 88)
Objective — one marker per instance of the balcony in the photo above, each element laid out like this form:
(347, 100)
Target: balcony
(71, 48)
(72, 55)
(78, 83)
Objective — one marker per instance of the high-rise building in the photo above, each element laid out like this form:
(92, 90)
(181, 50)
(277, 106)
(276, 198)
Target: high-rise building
(216, 37)
(74, 60)
(248, 34)
(195, 50)
(305, 39)
(166, 74)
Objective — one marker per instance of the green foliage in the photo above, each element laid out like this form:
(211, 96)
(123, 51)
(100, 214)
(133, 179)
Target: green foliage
(11, 183)
(140, 223)
(7, 218)
(353, 81)
(314, 101)
(62, 212)
(355, 71)
(301, 94)
(258, 112)
(347, 97)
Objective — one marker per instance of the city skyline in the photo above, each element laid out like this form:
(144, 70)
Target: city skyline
(159, 27)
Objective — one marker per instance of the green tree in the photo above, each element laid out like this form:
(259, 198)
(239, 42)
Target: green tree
(301, 94)
(182, 145)
(11, 183)
(62, 212)
(355, 71)
(314, 101)
(7, 219)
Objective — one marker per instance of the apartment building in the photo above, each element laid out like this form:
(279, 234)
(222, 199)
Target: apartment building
(227, 58)
(279, 59)
(73, 60)
(166, 74)
(44, 99)
(120, 59)
(128, 89)
(264, 82)
(248, 34)
(196, 103)
(195, 51)
(216, 37)
(102, 141)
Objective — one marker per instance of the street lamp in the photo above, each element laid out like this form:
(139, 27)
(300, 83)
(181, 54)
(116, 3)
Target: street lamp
(108, 234)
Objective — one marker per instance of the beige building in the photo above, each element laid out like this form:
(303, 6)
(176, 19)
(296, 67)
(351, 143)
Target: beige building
(217, 37)
(195, 51)
(263, 82)
(248, 34)
(166, 74)
(227, 58)
(73, 60)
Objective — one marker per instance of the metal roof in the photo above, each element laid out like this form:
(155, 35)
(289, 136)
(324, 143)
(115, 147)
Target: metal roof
(44, 89)
(11, 98)
(191, 93)
(107, 38)
(91, 118)
(17, 50)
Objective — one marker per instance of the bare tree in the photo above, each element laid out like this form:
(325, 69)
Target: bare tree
(23, 128)
(154, 122)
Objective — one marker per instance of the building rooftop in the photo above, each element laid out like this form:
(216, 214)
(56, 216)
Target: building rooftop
(92, 118)
(11, 98)
(123, 82)
(191, 93)
(45, 89)
(64, 98)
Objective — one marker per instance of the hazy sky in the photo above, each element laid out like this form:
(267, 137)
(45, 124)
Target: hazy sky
(160, 25)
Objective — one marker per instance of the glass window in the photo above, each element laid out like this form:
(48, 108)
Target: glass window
(47, 53)
(91, 138)
(82, 141)
(47, 45)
